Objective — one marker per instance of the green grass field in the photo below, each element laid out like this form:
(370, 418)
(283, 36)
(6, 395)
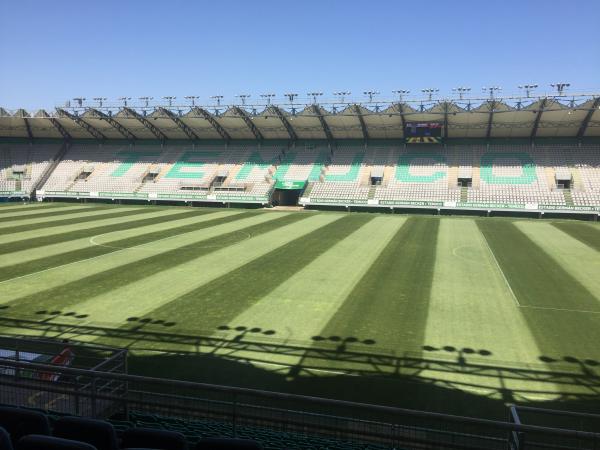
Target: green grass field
(447, 314)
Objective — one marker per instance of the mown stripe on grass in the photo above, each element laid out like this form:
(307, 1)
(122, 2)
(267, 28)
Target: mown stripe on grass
(578, 259)
(142, 297)
(219, 301)
(389, 305)
(552, 299)
(6, 208)
(590, 236)
(76, 214)
(472, 308)
(36, 213)
(72, 293)
(24, 244)
(16, 288)
(71, 221)
(36, 265)
(534, 276)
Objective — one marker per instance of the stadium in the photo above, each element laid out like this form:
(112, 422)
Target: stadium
(410, 257)
(309, 269)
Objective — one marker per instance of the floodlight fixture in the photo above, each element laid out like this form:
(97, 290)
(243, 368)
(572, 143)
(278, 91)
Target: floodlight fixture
(314, 95)
(401, 93)
(169, 98)
(371, 94)
(243, 98)
(80, 100)
(560, 87)
(217, 98)
(430, 92)
(342, 95)
(528, 88)
(192, 99)
(462, 91)
(100, 100)
(124, 100)
(146, 100)
(268, 97)
(291, 96)
(492, 90)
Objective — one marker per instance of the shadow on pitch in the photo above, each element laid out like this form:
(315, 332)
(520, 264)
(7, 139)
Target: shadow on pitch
(354, 372)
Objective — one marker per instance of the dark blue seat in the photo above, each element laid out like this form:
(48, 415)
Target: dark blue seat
(5, 442)
(227, 444)
(20, 422)
(98, 433)
(152, 438)
(39, 442)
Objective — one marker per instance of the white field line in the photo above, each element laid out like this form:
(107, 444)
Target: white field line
(500, 269)
(135, 247)
(559, 309)
(151, 249)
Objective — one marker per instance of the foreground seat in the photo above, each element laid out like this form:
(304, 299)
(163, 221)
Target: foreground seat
(152, 438)
(20, 422)
(5, 442)
(98, 433)
(39, 442)
(227, 444)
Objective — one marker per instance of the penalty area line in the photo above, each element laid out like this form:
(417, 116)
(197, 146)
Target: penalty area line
(559, 309)
(500, 269)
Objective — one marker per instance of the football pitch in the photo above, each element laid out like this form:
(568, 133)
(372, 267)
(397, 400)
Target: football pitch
(452, 314)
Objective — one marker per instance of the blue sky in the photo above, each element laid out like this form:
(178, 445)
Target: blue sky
(51, 51)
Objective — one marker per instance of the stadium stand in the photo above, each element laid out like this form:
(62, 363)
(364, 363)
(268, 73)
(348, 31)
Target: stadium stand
(22, 166)
(497, 176)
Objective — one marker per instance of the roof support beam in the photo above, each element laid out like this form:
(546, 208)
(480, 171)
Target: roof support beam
(291, 133)
(28, 128)
(488, 132)
(317, 112)
(82, 123)
(116, 125)
(64, 133)
(588, 118)
(538, 117)
(187, 130)
(400, 110)
(361, 119)
(244, 116)
(446, 109)
(210, 119)
(155, 131)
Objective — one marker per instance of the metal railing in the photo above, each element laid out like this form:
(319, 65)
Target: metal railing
(95, 393)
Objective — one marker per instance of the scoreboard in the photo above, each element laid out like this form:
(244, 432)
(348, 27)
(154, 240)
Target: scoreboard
(423, 132)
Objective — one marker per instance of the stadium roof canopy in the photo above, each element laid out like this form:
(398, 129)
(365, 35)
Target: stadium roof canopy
(575, 116)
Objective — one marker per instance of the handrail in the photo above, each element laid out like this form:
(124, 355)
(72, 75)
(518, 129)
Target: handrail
(390, 410)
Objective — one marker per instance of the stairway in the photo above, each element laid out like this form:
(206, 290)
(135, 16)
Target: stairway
(452, 177)
(308, 188)
(55, 161)
(372, 190)
(388, 173)
(550, 177)
(568, 197)
(577, 180)
(475, 177)
(464, 194)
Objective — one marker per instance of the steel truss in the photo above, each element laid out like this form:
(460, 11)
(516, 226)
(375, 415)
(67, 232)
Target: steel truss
(82, 123)
(155, 131)
(277, 111)
(244, 116)
(186, 129)
(210, 119)
(317, 111)
(116, 125)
